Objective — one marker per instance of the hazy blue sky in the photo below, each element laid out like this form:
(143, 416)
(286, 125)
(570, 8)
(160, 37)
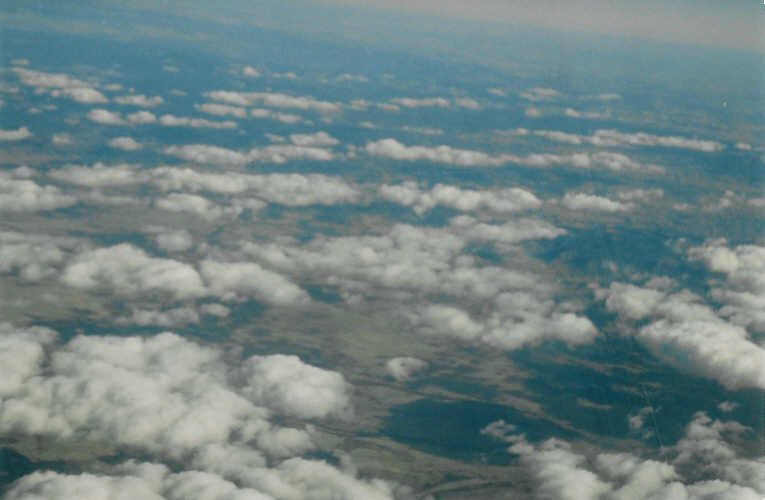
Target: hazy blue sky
(731, 23)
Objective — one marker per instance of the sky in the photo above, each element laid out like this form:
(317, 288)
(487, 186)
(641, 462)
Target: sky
(733, 24)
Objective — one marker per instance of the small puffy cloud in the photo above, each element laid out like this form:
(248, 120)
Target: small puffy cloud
(139, 100)
(33, 257)
(427, 102)
(589, 202)
(129, 271)
(221, 110)
(60, 85)
(743, 146)
(284, 189)
(179, 316)
(532, 112)
(540, 94)
(273, 100)
(727, 406)
(404, 368)
(61, 139)
(391, 148)
(18, 134)
(287, 118)
(615, 138)
(467, 103)
(106, 117)
(174, 241)
(251, 72)
(231, 279)
(194, 204)
(519, 320)
(294, 388)
(98, 175)
(178, 401)
(318, 139)
(587, 115)
(690, 335)
(22, 195)
(202, 153)
(141, 117)
(303, 189)
(214, 309)
(83, 95)
(517, 306)
(21, 352)
(743, 293)
(276, 153)
(501, 201)
(125, 143)
(703, 464)
(182, 121)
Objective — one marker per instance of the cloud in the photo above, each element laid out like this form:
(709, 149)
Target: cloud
(22, 195)
(194, 204)
(139, 100)
(182, 121)
(589, 202)
(169, 318)
(467, 103)
(274, 115)
(404, 368)
(303, 189)
(425, 268)
(615, 138)
(105, 117)
(689, 335)
(294, 388)
(19, 134)
(391, 148)
(125, 144)
(231, 279)
(284, 189)
(716, 350)
(128, 271)
(250, 72)
(98, 175)
(221, 110)
(318, 139)
(702, 464)
(33, 257)
(202, 153)
(536, 94)
(141, 117)
(587, 115)
(278, 153)
(60, 85)
(83, 95)
(500, 201)
(174, 241)
(272, 100)
(532, 112)
(177, 401)
(61, 139)
(428, 102)
(743, 296)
